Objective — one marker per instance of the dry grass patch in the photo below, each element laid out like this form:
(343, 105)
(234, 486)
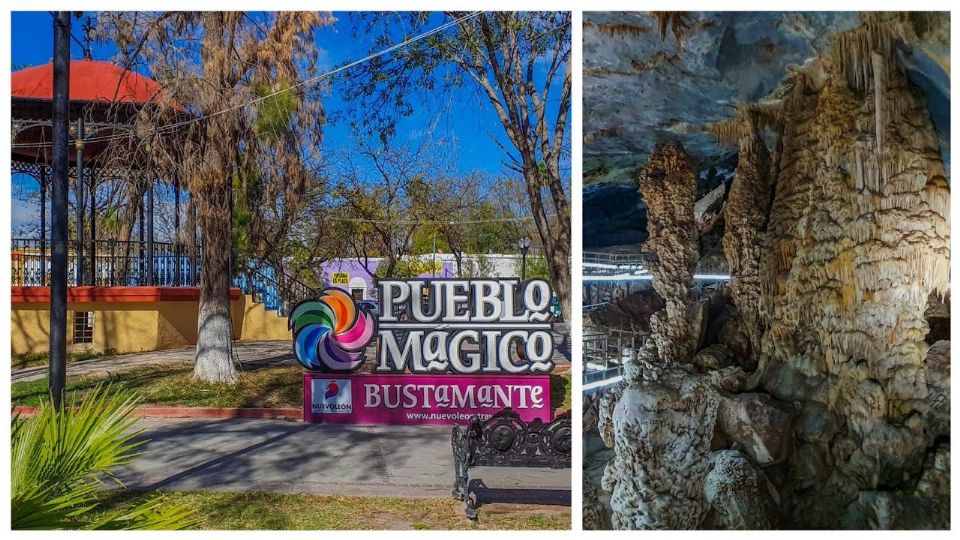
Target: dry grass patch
(281, 511)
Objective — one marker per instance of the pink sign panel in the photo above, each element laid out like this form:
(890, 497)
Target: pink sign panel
(421, 399)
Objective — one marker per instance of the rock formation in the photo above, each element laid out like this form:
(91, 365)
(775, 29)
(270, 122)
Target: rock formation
(668, 185)
(836, 233)
(744, 216)
(739, 494)
(662, 429)
(595, 515)
(857, 240)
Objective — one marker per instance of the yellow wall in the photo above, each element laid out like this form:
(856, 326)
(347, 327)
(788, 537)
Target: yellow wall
(258, 324)
(129, 327)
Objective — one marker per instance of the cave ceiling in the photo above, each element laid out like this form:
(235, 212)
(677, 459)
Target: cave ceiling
(638, 87)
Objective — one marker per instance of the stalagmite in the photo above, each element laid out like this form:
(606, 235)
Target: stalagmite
(668, 185)
(744, 216)
(663, 425)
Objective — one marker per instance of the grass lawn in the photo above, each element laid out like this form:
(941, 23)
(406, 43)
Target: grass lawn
(561, 392)
(173, 385)
(256, 510)
(21, 361)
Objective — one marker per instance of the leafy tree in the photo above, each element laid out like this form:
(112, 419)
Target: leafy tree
(59, 459)
(521, 63)
(255, 144)
(382, 195)
(477, 266)
(464, 218)
(407, 267)
(537, 267)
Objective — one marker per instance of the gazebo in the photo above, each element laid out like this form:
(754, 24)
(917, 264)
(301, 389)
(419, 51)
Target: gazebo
(104, 102)
(124, 294)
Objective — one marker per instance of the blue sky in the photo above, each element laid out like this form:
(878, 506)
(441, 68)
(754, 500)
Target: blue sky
(465, 116)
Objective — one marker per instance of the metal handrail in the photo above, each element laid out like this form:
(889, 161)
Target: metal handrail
(605, 352)
(618, 259)
(276, 295)
(106, 263)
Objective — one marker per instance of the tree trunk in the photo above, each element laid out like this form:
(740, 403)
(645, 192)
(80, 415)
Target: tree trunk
(214, 362)
(458, 256)
(559, 263)
(555, 237)
(214, 214)
(135, 189)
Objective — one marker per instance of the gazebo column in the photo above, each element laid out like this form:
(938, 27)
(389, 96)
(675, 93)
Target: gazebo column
(150, 261)
(192, 238)
(93, 226)
(43, 226)
(142, 232)
(176, 232)
(80, 201)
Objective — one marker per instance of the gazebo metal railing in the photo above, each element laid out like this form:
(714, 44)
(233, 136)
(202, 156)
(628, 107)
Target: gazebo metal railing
(115, 263)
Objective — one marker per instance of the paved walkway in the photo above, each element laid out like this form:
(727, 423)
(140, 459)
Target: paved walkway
(292, 457)
(246, 352)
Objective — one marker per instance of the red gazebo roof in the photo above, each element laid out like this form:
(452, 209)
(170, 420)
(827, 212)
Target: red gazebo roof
(90, 80)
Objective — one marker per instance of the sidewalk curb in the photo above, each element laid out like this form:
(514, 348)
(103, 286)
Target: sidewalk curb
(284, 413)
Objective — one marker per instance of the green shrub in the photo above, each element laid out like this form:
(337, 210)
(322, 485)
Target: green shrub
(60, 458)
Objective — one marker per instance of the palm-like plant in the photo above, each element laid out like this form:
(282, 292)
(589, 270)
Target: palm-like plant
(60, 458)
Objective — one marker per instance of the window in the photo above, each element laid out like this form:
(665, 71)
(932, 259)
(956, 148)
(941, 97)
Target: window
(83, 327)
(357, 294)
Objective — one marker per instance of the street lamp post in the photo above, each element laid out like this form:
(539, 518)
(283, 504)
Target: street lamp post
(524, 247)
(58, 207)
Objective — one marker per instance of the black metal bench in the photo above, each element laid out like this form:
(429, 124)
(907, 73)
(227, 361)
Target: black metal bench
(504, 440)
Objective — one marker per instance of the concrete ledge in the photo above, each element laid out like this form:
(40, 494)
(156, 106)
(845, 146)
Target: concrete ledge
(113, 294)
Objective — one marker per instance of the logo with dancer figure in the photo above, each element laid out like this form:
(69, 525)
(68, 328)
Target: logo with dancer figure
(331, 333)
(332, 390)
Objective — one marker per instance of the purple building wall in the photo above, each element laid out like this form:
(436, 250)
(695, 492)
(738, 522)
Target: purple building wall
(352, 275)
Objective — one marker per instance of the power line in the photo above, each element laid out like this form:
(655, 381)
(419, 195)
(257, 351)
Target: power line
(309, 81)
(436, 221)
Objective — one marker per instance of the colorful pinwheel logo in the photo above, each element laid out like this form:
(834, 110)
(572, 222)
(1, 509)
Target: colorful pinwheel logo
(331, 333)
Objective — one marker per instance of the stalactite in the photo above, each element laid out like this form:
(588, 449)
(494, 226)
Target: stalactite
(621, 30)
(853, 50)
(729, 132)
(879, 90)
(726, 132)
(678, 21)
(602, 133)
